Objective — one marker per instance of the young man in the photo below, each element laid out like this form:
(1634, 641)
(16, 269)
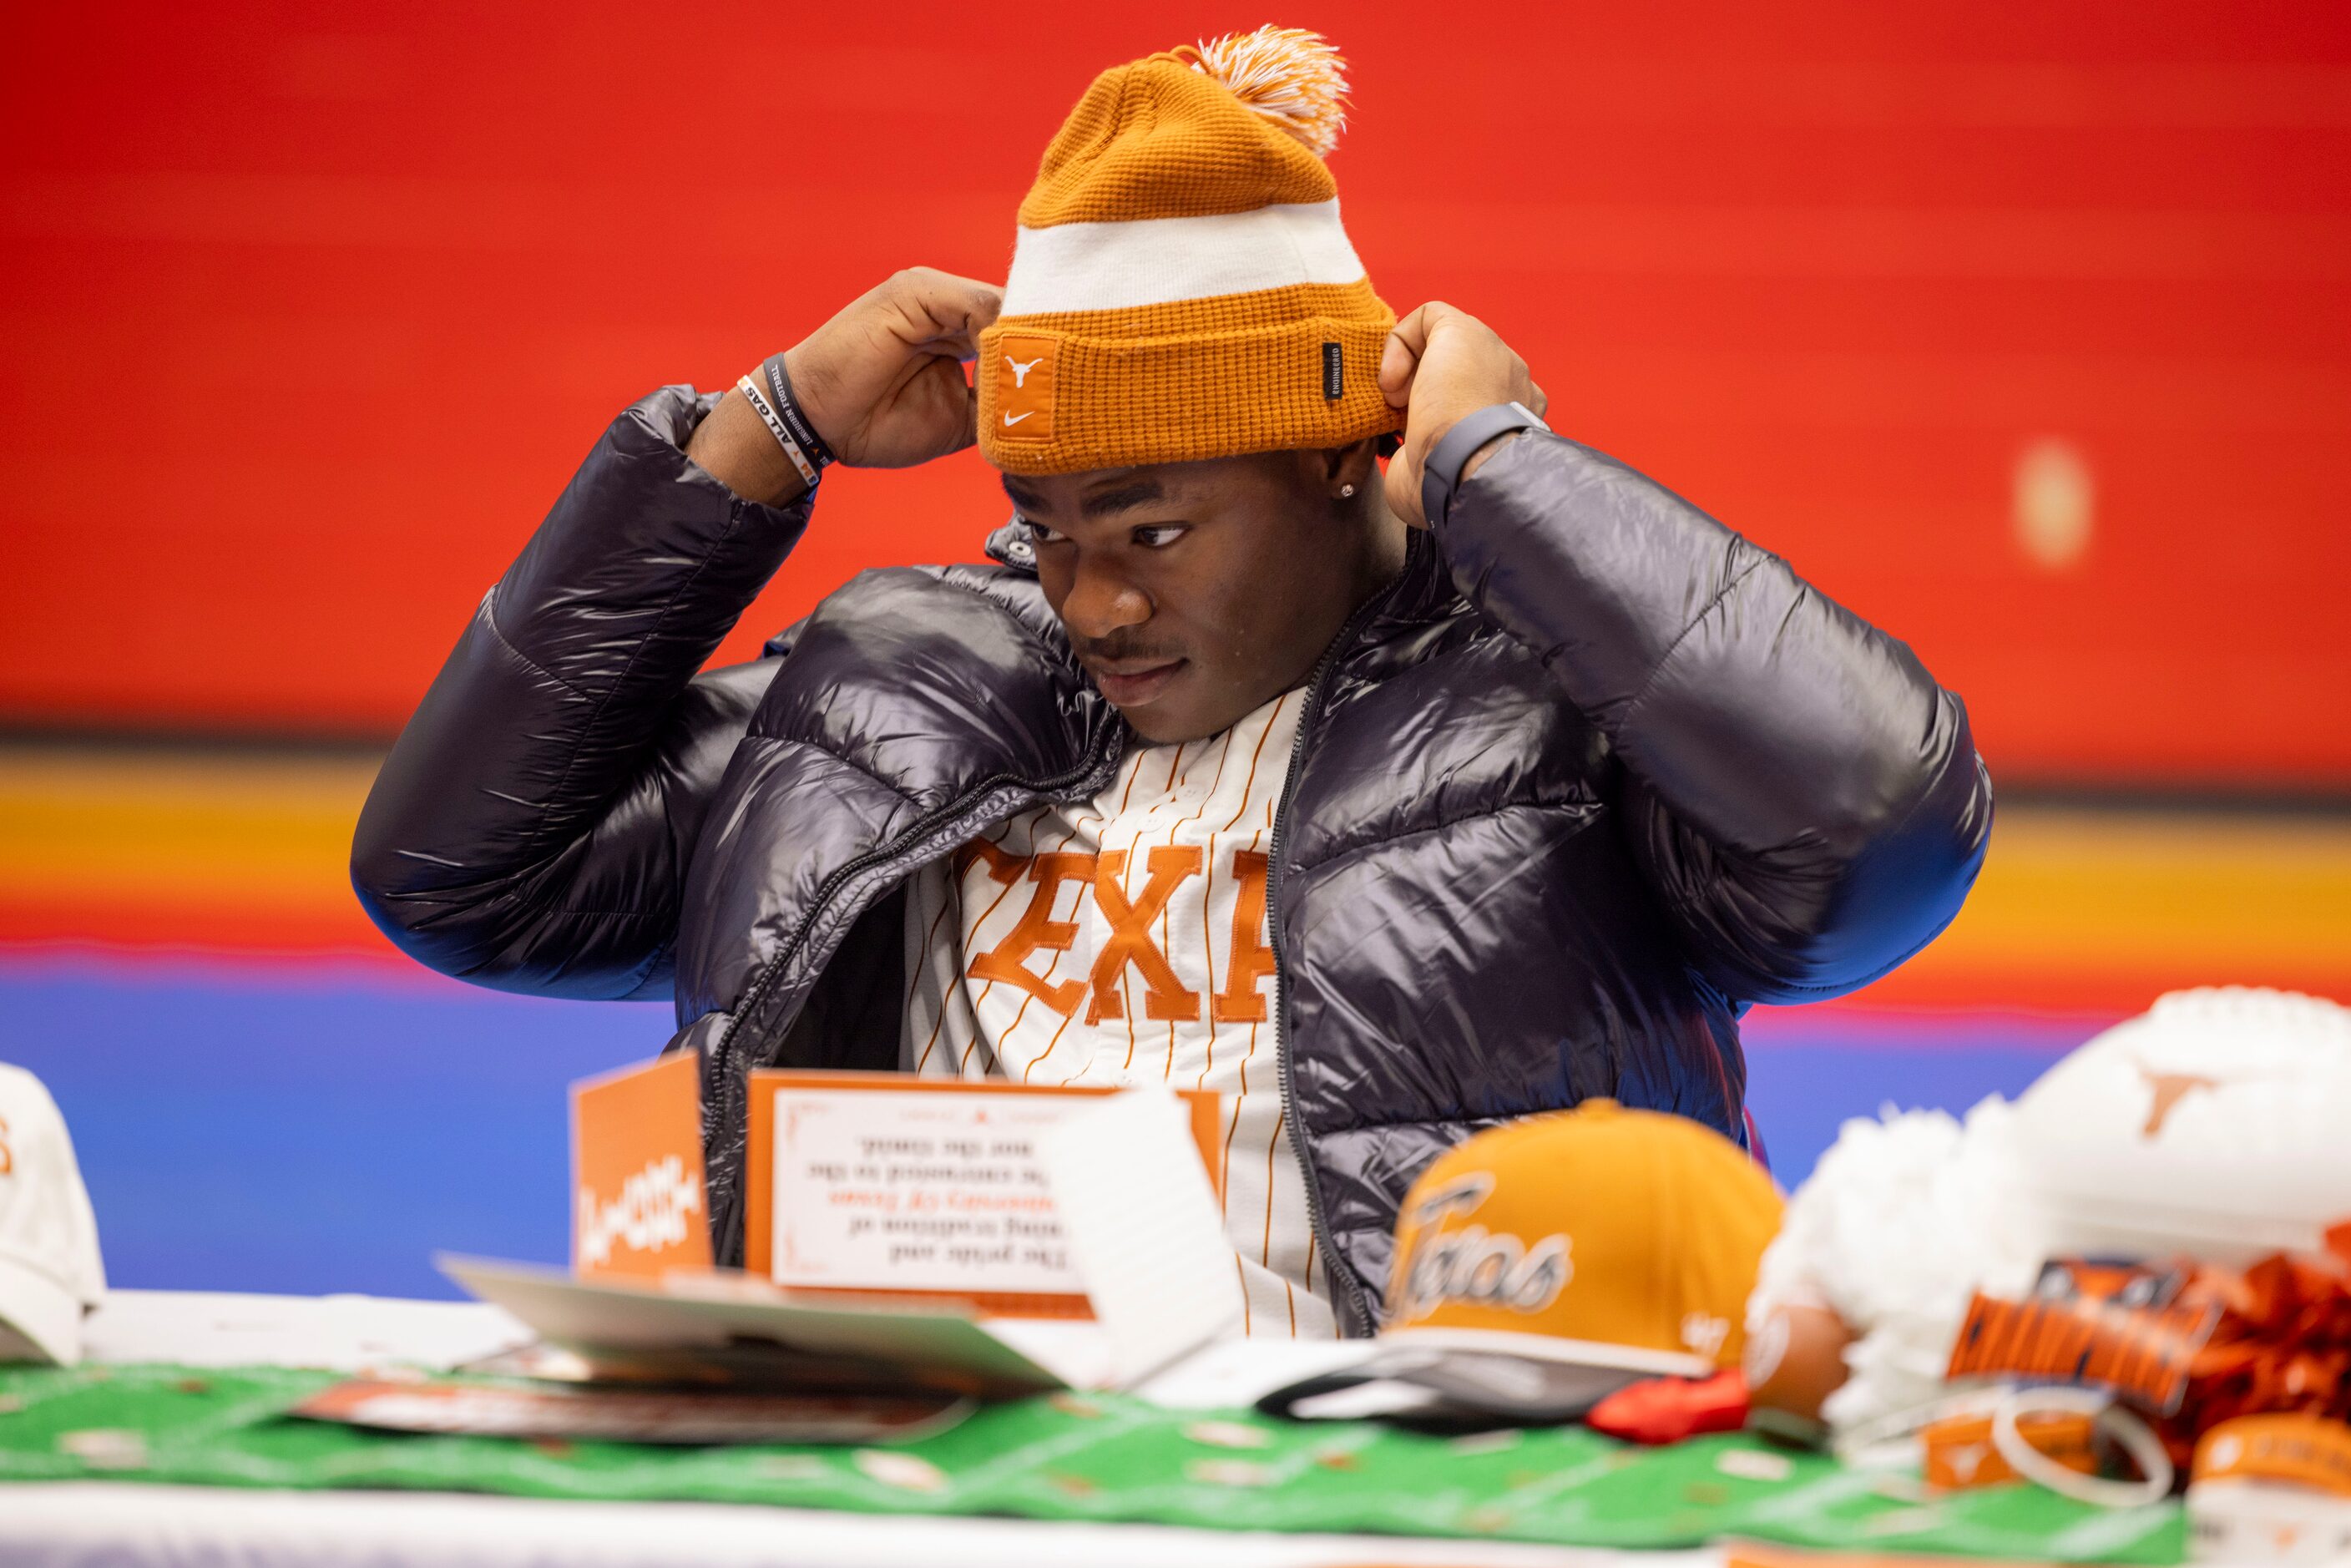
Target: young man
(1388, 806)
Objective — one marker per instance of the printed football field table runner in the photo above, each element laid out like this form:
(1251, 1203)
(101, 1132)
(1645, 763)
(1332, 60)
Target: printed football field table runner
(1098, 1458)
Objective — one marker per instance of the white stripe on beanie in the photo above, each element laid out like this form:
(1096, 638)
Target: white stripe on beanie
(1157, 261)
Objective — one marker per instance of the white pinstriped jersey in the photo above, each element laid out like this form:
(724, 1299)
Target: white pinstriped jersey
(1122, 941)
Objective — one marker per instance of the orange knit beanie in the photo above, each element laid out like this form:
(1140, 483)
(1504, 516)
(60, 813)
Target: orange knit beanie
(1181, 286)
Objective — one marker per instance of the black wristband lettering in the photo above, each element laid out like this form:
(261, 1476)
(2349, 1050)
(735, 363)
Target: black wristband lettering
(788, 409)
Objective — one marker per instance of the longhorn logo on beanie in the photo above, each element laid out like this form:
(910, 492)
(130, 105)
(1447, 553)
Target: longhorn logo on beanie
(1181, 285)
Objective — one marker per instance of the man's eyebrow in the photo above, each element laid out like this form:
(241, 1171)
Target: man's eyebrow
(1123, 497)
(1139, 492)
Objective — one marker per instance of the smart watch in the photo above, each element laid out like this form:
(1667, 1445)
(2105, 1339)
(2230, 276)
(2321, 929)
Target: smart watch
(1442, 472)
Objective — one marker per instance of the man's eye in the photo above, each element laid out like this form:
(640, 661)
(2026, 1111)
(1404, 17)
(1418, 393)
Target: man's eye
(1038, 533)
(1159, 536)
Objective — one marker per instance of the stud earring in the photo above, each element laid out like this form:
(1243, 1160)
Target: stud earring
(1346, 492)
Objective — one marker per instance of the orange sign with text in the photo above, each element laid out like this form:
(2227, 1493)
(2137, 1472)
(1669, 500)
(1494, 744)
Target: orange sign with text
(638, 1202)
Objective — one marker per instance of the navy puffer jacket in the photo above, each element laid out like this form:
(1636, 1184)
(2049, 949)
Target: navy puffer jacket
(1593, 774)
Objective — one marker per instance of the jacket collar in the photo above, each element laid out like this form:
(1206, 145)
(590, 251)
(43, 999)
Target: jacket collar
(1007, 545)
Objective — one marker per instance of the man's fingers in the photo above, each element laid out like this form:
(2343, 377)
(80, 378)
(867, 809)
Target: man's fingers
(1401, 356)
(1415, 327)
(1402, 483)
(1397, 365)
(976, 302)
(941, 311)
(968, 432)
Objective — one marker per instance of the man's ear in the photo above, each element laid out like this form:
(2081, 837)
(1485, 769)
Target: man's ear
(1356, 463)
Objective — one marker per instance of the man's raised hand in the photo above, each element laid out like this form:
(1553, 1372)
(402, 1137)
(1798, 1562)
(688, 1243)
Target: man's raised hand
(883, 381)
(1440, 365)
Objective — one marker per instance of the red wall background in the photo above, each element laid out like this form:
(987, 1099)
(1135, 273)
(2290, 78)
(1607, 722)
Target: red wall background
(310, 309)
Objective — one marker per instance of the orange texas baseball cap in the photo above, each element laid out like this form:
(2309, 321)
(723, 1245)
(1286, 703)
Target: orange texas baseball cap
(1541, 1265)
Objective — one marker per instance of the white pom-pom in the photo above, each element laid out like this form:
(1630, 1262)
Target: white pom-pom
(1294, 78)
(1902, 1221)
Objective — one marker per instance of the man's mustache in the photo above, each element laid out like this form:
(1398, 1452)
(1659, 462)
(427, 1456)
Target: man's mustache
(1118, 652)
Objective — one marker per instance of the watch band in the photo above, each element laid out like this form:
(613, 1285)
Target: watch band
(1441, 474)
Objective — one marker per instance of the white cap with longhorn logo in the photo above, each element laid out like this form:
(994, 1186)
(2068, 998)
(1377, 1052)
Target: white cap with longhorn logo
(50, 1274)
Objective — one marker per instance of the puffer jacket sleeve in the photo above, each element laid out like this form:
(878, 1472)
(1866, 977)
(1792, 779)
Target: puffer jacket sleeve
(532, 825)
(1806, 799)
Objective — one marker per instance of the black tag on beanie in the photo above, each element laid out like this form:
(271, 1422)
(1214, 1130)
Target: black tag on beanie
(1334, 372)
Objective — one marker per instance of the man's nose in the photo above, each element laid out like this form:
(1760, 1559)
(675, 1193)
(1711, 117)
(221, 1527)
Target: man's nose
(1103, 601)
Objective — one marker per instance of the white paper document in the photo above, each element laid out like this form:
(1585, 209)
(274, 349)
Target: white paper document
(1143, 1228)
(882, 1189)
(723, 1312)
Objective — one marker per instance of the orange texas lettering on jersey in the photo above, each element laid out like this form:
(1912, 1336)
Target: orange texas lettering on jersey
(1131, 944)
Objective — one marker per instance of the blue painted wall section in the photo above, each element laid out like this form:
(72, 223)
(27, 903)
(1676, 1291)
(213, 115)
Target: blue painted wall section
(311, 1128)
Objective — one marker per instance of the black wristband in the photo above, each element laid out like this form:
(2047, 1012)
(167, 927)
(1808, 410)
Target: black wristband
(1440, 475)
(788, 409)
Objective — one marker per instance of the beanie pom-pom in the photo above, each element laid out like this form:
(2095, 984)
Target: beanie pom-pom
(1294, 78)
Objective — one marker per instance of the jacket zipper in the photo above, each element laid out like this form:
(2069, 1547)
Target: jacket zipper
(1354, 1309)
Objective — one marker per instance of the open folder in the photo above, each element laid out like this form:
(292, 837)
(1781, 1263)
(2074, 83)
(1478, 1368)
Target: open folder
(1135, 1206)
